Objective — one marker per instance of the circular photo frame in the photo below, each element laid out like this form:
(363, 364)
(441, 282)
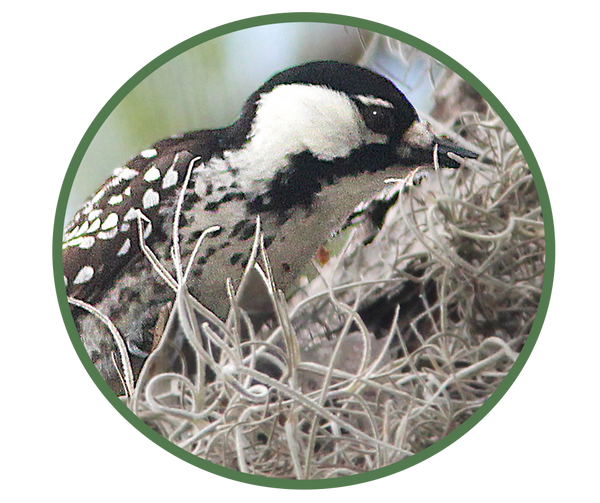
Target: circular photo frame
(424, 361)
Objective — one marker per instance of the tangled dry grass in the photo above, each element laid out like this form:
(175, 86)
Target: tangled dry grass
(386, 350)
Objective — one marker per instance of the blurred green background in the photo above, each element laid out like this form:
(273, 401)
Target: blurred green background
(206, 86)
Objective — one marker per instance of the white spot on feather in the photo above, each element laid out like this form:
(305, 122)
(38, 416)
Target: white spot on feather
(127, 174)
(125, 248)
(111, 221)
(84, 275)
(130, 215)
(94, 226)
(150, 199)
(87, 242)
(83, 229)
(108, 234)
(118, 199)
(152, 174)
(148, 153)
(170, 178)
(94, 214)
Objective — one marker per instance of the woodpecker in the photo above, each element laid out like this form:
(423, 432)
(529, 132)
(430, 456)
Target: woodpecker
(309, 145)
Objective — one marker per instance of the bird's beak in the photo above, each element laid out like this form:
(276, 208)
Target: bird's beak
(446, 146)
(421, 147)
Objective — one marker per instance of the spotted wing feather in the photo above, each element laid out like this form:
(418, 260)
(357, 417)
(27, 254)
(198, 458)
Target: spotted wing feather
(103, 239)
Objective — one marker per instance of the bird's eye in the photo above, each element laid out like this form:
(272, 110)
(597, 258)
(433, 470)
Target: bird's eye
(378, 119)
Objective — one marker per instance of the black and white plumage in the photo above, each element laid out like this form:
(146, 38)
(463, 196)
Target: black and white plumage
(310, 144)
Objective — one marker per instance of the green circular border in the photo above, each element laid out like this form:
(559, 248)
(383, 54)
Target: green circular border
(287, 18)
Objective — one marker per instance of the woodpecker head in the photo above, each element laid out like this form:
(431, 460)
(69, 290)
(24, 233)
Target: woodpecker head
(326, 108)
(314, 124)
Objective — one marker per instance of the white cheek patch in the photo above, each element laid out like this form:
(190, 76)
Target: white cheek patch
(294, 118)
(314, 118)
